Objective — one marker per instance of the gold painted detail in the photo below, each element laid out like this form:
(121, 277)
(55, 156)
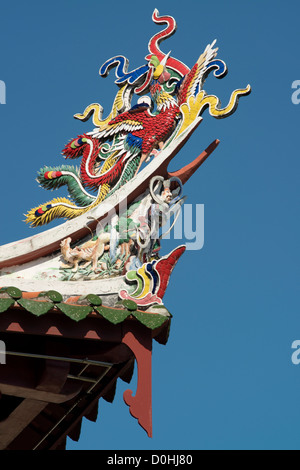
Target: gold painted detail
(195, 106)
(96, 110)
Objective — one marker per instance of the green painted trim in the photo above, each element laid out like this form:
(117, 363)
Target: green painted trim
(130, 305)
(14, 292)
(54, 296)
(150, 320)
(112, 315)
(80, 312)
(94, 300)
(75, 312)
(35, 307)
(5, 304)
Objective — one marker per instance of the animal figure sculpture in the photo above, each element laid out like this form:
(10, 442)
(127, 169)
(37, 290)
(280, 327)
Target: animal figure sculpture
(90, 252)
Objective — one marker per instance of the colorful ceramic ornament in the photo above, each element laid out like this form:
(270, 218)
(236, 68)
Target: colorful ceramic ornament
(113, 153)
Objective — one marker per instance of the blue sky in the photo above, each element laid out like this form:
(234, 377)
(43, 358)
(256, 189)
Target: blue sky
(225, 380)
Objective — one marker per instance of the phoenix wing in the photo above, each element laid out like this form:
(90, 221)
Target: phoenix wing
(196, 76)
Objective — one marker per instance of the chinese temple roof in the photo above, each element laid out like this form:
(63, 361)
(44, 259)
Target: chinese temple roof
(80, 302)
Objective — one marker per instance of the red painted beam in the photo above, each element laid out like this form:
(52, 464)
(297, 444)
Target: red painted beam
(187, 171)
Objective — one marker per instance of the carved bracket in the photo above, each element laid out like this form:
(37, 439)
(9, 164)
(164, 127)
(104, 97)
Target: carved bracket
(139, 340)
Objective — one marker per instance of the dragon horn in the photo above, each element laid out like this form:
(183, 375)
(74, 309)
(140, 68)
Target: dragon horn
(164, 60)
(155, 41)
